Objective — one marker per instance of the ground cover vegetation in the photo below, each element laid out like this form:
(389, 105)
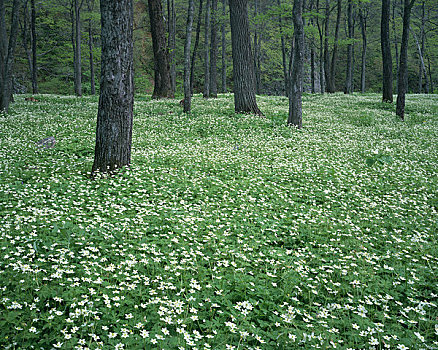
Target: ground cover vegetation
(227, 231)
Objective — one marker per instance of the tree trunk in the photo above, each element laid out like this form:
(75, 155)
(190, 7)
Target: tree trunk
(312, 54)
(7, 53)
(349, 73)
(224, 48)
(213, 50)
(162, 84)
(321, 51)
(386, 52)
(422, 66)
(207, 28)
(295, 104)
(326, 46)
(187, 91)
(403, 66)
(78, 60)
(422, 69)
(171, 14)
(363, 15)
(331, 83)
(115, 114)
(34, 46)
(283, 52)
(26, 39)
(256, 49)
(195, 47)
(90, 48)
(243, 67)
(395, 41)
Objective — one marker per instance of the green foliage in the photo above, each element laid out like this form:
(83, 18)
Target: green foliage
(226, 231)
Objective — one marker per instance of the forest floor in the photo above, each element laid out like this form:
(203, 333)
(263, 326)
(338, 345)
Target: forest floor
(227, 232)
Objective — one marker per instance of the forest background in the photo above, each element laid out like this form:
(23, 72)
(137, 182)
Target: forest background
(61, 38)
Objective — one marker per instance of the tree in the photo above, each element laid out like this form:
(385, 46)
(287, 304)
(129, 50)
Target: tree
(171, 28)
(207, 28)
(7, 51)
(195, 47)
(402, 81)
(386, 52)
(363, 17)
(34, 46)
(295, 104)
(331, 76)
(76, 16)
(213, 50)
(90, 47)
(349, 74)
(224, 56)
(162, 81)
(187, 90)
(243, 67)
(115, 113)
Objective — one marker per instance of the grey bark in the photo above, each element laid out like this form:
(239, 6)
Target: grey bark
(331, 81)
(395, 41)
(7, 51)
(283, 53)
(33, 38)
(77, 47)
(224, 49)
(257, 50)
(295, 103)
(187, 90)
(207, 28)
(243, 68)
(115, 113)
(321, 51)
(349, 73)
(386, 53)
(326, 46)
(90, 48)
(195, 47)
(213, 50)
(363, 16)
(402, 82)
(162, 83)
(171, 14)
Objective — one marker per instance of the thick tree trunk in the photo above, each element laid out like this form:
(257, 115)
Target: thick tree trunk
(386, 52)
(331, 82)
(78, 54)
(403, 66)
(295, 104)
(224, 48)
(243, 69)
(195, 47)
(7, 53)
(349, 73)
(363, 15)
(187, 91)
(34, 46)
(115, 114)
(207, 28)
(162, 84)
(213, 50)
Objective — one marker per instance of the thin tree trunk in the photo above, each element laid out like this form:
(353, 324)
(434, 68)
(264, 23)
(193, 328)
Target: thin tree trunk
(321, 51)
(78, 54)
(34, 47)
(115, 114)
(7, 54)
(243, 69)
(386, 52)
(363, 26)
(187, 91)
(256, 49)
(312, 55)
(283, 52)
(195, 47)
(395, 41)
(172, 43)
(295, 103)
(349, 73)
(162, 85)
(403, 72)
(213, 50)
(326, 46)
(224, 57)
(422, 65)
(26, 39)
(331, 83)
(90, 48)
(207, 28)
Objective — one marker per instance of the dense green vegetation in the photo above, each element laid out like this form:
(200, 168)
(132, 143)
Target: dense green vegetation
(227, 232)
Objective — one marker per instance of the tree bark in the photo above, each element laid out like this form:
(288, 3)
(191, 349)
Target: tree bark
(187, 91)
(386, 53)
(331, 82)
(207, 28)
(256, 49)
(395, 41)
(115, 113)
(7, 52)
(422, 66)
(403, 66)
(243, 68)
(78, 54)
(283, 52)
(295, 103)
(172, 42)
(34, 47)
(162, 83)
(326, 46)
(213, 50)
(349, 73)
(224, 48)
(321, 51)
(195, 47)
(90, 48)
(363, 16)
